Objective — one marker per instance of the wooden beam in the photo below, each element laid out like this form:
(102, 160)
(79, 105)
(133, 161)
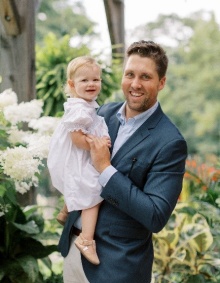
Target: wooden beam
(114, 10)
(17, 54)
(9, 17)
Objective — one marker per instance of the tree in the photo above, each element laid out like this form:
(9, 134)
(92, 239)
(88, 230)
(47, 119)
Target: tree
(51, 64)
(115, 17)
(17, 49)
(62, 18)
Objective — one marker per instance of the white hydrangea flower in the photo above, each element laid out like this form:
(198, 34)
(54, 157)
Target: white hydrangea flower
(23, 112)
(45, 124)
(19, 164)
(22, 164)
(38, 145)
(22, 187)
(16, 135)
(4, 208)
(8, 97)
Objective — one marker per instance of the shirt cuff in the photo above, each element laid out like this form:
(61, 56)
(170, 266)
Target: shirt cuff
(106, 175)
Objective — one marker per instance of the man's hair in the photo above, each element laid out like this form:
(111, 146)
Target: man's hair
(151, 50)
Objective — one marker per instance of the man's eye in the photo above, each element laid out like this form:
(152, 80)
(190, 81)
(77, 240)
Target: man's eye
(145, 77)
(129, 75)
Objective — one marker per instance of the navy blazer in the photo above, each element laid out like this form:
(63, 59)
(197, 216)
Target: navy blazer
(138, 199)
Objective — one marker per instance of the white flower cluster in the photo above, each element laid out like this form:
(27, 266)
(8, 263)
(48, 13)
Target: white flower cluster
(23, 112)
(44, 125)
(19, 164)
(7, 97)
(38, 144)
(28, 145)
(4, 208)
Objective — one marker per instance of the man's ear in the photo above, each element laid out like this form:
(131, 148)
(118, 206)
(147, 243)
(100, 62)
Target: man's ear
(70, 83)
(162, 83)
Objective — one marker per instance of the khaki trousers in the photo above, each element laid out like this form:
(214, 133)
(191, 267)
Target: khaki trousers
(72, 268)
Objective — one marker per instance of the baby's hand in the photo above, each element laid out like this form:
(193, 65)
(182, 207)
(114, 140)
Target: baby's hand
(108, 141)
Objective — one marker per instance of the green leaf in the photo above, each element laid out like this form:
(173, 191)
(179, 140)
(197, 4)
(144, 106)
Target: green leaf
(2, 273)
(2, 191)
(38, 219)
(47, 262)
(30, 227)
(180, 255)
(21, 270)
(30, 267)
(218, 202)
(11, 194)
(36, 249)
(196, 279)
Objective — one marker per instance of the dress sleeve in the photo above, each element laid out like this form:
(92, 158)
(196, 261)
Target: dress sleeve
(77, 119)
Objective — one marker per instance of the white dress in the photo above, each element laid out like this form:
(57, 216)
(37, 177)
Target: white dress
(71, 170)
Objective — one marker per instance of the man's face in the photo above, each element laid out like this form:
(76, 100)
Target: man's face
(140, 84)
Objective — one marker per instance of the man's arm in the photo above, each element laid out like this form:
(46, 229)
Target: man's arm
(153, 204)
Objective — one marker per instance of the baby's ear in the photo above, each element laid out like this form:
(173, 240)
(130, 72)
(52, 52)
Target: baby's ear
(70, 83)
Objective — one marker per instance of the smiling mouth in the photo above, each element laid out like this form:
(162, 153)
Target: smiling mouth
(135, 94)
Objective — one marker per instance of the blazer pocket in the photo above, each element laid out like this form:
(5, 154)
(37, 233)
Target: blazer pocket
(127, 231)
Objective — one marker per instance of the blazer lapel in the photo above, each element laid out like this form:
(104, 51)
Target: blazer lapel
(138, 136)
(131, 143)
(113, 127)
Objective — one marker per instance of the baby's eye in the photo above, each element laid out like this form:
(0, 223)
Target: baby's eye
(84, 80)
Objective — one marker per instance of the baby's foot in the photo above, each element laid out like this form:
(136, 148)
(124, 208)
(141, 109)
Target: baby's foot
(61, 217)
(87, 248)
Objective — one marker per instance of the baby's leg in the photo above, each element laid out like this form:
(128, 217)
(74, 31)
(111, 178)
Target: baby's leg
(84, 242)
(89, 218)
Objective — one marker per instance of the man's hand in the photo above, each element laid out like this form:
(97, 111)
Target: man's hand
(99, 150)
(108, 141)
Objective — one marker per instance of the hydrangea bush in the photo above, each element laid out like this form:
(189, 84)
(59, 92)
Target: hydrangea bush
(26, 138)
(24, 141)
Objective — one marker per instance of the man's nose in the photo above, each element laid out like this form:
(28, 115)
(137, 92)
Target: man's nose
(136, 84)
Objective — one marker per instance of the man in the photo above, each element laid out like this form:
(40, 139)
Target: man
(141, 180)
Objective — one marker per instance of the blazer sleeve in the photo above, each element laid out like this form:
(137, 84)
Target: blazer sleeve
(153, 204)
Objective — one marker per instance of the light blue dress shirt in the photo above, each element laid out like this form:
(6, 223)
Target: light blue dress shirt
(126, 129)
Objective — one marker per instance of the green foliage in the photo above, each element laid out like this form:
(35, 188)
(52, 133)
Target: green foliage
(54, 278)
(22, 240)
(51, 63)
(62, 18)
(191, 95)
(187, 249)
(193, 88)
(183, 249)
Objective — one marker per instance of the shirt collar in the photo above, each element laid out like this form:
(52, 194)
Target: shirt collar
(142, 116)
(92, 103)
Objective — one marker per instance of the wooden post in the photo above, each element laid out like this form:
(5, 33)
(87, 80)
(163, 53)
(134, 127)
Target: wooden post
(9, 17)
(114, 10)
(17, 47)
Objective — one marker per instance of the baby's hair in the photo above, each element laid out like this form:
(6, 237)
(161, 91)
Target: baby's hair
(74, 65)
